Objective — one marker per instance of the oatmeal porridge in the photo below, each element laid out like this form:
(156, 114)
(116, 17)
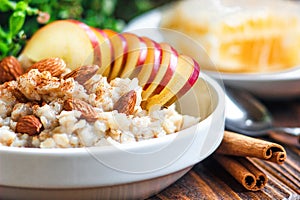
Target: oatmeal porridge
(42, 109)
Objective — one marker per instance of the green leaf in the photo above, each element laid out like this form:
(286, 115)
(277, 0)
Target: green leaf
(32, 11)
(16, 22)
(3, 49)
(21, 6)
(6, 5)
(15, 49)
(3, 34)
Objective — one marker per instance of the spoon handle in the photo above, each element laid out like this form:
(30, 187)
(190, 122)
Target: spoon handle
(290, 136)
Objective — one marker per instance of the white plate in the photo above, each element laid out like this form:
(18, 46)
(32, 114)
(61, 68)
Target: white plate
(127, 171)
(277, 85)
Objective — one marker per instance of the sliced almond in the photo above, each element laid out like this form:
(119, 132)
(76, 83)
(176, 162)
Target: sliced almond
(83, 74)
(10, 69)
(126, 103)
(56, 66)
(87, 111)
(29, 124)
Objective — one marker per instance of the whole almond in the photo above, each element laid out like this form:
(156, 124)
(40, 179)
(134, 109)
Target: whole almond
(10, 69)
(29, 124)
(87, 111)
(83, 74)
(126, 103)
(56, 66)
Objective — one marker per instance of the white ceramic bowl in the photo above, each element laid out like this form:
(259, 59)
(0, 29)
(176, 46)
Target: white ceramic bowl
(126, 171)
(277, 85)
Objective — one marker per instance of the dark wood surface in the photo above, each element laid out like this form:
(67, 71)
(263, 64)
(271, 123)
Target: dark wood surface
(208, 180)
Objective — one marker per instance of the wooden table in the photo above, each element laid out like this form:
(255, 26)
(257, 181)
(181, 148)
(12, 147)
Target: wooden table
(208, 180)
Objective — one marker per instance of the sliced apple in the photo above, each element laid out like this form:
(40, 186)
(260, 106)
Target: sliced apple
(165, 72)
(192, 80)
(150, 67)
(120, 52)
(186, 74)
(70, 40)
(136, 54)
(143, 52)
(132, 66)
(106, 51)
(93, 37)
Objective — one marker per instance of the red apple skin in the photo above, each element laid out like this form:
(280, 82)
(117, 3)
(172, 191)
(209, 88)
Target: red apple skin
(170, 71)
(136, 54)
(120, 49)
(93, 38)
(124, 56)
(107, 58)
(191, 81)
(186, 74)
(132, 70)
(151, 65)
(165, 72)
(156, 64)
(143, 52)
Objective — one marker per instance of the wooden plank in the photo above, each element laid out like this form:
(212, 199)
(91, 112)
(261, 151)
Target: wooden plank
(208, 180)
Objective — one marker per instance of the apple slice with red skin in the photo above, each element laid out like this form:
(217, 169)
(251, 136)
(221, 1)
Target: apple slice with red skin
(185, 76)
(107, 51)
(95, 43)
(193, 78)
(165, 72)
(120, 49)
(143, 52)
(131, 70)
(151, 65)
(70, 40)
(136, 54)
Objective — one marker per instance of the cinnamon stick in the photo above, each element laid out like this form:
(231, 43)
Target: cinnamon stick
(235, 144)
(243, 171)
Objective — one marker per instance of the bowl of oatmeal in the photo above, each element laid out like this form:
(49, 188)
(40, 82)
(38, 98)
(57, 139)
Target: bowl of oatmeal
(77, 137)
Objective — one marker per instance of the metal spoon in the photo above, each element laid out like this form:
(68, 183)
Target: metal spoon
(246, 115)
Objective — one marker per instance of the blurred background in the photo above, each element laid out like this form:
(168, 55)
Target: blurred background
(110, 14)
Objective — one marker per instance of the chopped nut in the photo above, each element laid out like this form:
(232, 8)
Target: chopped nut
(29, 124)
(126, 103)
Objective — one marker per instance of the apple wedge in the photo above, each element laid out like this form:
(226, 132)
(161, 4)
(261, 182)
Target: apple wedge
(106, 50)
(120, 49)
(165, 72)
(193, 78)
(136, 54)
(151, 65)
(185, 76)
(70, 40)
